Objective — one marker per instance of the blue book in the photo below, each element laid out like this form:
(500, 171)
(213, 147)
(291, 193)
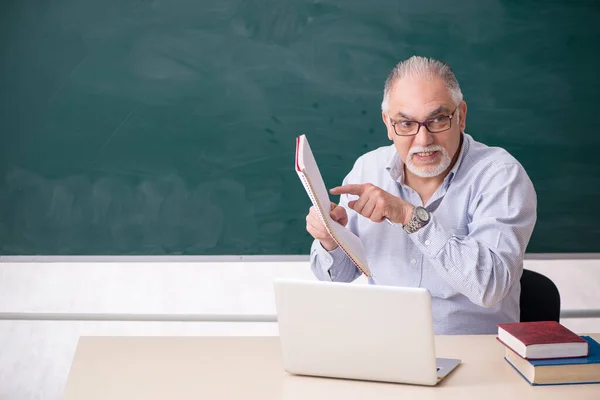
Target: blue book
(559, 371)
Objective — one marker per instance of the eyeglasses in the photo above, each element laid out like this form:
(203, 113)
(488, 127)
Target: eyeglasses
(433, 125)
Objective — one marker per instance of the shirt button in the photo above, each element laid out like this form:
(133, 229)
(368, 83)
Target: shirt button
(413, 261)
(427, 242)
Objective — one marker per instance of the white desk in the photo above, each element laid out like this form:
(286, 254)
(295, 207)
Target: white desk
(119, 368)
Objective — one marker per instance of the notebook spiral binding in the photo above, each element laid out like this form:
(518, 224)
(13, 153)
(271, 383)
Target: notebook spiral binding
(331, 232)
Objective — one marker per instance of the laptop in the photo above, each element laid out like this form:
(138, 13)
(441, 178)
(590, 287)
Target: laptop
(358, 331)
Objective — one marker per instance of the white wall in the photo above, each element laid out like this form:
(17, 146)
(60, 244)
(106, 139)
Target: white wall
(36, 355)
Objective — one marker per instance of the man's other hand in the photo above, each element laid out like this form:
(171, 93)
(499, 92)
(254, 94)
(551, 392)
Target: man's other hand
(317, 230)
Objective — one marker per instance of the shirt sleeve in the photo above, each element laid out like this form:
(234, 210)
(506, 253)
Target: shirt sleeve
(333, 266)
(484, 264)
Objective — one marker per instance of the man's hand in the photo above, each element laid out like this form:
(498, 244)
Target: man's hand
(376, 204)
(315, 227)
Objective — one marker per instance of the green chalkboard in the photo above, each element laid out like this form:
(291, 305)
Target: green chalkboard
(167, 127)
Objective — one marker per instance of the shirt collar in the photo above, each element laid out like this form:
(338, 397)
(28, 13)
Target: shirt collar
(464, 148)
(396, 166)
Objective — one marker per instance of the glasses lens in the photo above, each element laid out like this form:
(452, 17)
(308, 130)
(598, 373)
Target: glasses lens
(405, 127)
(439, 124)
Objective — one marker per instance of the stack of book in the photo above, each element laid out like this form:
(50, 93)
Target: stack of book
(547, 353)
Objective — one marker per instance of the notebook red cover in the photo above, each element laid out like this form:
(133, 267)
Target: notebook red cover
(544, 332)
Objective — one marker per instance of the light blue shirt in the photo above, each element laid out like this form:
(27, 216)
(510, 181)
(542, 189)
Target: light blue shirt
(470, 254)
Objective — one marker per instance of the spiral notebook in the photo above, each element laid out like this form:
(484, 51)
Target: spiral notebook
(308, 171)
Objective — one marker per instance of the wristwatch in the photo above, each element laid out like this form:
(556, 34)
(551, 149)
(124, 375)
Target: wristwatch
(420, 218)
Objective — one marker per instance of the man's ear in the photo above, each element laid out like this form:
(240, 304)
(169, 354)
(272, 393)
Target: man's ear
(388, 126)
(463, 115)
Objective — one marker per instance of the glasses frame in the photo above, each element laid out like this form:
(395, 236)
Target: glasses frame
(424, 124)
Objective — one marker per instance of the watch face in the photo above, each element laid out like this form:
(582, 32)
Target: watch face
(422, 214)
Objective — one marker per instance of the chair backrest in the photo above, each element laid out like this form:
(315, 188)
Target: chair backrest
(540, 299)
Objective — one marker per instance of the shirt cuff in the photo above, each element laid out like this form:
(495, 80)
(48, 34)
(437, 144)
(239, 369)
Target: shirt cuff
(431, 238)
(327, 258)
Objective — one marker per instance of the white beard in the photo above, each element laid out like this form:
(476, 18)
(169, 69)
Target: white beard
(428, 171)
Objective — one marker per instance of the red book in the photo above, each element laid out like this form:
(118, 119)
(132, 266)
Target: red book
(541, 340)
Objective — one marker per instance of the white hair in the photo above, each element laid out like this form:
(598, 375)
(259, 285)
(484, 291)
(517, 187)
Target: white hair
(422, 67)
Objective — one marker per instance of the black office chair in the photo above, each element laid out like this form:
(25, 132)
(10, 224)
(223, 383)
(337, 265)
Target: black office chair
(540, 299)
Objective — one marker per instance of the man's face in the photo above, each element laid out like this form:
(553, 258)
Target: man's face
(416, 99)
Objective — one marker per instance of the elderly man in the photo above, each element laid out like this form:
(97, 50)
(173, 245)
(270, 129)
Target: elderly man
(462, 212)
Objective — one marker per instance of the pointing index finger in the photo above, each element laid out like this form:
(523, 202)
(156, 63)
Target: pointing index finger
(348, 189)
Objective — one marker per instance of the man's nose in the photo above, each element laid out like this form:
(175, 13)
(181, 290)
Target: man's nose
(423, 137)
